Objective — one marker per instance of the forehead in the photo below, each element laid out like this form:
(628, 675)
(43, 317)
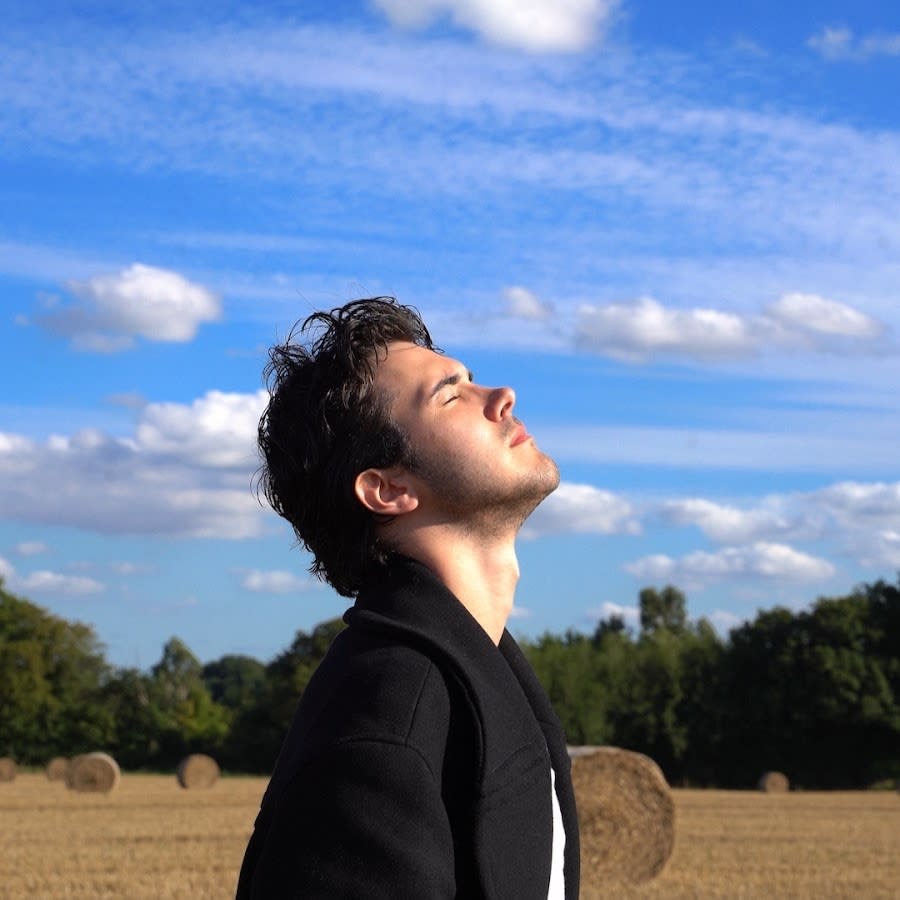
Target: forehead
(408, 372)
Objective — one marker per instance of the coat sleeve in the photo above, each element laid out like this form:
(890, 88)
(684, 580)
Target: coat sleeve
(367, 820)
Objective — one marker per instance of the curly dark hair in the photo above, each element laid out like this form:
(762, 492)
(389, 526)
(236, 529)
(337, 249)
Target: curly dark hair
(325, 423)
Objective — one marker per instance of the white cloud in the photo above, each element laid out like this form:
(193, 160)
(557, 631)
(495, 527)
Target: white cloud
(645, 328)
(630, 614)
(761, 559)
(851, 501)
(46, 582)
(809, 312)
(275, 581)
(725, 523)
(859, 520)
(523, 304)
(531, 25)
(635, 331)
(187, 470)
(581, 509)
(218, 429)
(842, 44)
(107, 312)
(867, 519)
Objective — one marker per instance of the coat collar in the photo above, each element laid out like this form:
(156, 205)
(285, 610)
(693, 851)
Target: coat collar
(410, 603)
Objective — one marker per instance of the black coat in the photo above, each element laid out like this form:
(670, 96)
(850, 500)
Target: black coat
(417, 764)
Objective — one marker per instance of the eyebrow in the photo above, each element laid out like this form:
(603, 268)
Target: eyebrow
(448, 381)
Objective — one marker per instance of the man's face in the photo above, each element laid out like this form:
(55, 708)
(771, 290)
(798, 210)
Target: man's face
(474, 460)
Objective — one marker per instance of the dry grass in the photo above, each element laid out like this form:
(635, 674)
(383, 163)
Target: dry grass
(805, 846)
(151, 839)
(146, 839)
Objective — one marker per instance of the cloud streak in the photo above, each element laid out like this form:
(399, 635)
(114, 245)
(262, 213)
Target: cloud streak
(841, 44)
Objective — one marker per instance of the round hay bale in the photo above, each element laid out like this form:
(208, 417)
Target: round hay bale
(197, 771)
(774, 783)
(57, 769)
(96, 773)
(7, 768)
(626, 815)
(70, 770)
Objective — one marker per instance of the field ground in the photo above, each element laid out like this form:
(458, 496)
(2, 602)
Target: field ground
(151, 839)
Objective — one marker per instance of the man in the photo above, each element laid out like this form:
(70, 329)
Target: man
(424, 760)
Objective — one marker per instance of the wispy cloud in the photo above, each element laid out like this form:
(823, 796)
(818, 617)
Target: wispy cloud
(840, 43)
(524, 304)
(276, 581)
(31, 548)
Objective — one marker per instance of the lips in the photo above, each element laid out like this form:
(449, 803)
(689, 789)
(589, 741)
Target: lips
(519, 435)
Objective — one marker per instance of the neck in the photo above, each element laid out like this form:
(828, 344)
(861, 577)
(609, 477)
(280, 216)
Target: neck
(482, 572)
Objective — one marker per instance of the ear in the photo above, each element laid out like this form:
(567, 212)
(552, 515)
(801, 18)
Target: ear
(386, 492)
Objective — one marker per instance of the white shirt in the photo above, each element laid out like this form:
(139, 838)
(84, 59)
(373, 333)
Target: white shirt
(557, 889)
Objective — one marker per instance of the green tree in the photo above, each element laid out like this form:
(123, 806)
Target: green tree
(663, 609)
(52, 674)
(234, 681)
(128, 698)
(568, 669)
(258, 731)
(188, 719)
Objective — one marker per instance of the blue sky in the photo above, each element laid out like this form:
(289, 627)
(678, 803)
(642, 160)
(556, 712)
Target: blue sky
(672, 228)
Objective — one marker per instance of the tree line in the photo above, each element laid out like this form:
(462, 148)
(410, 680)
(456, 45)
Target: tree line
(814, 694)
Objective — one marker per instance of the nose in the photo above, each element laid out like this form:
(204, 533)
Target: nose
(500, 403)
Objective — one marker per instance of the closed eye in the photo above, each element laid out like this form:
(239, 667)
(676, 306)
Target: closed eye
(451, 381)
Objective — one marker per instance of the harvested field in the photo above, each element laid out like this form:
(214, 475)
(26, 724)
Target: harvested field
(149, 838)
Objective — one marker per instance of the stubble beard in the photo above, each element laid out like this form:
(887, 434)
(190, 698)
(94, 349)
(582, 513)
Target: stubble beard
(480, 506)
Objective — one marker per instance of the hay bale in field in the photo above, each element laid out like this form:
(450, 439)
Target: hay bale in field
(626, 815)
(197, 771)
(7, 768)
(96, 773)
(773, 783)
(70, 769)
(57, 769)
